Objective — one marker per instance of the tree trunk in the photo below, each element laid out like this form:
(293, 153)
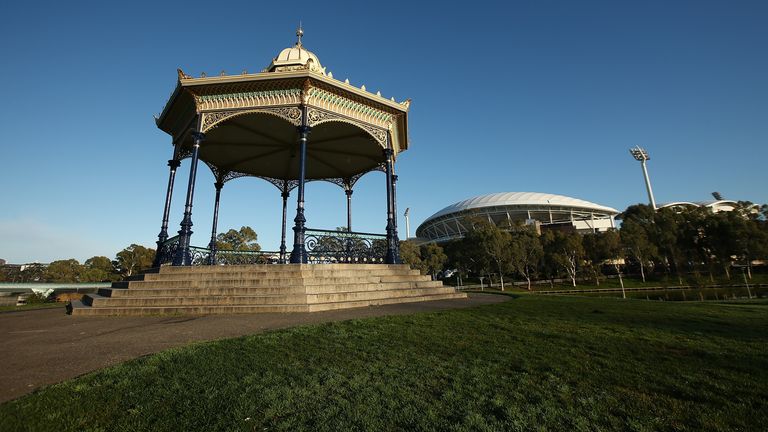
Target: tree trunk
(642, 270)
(728, 271)
(529, 282)
(501, 276)
(621, 281)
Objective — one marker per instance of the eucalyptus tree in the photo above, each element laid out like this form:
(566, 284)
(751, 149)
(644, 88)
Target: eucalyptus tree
(565, 251)
(594, 251)
(433, 258)
(635, 240)
(526, 252)
(490, 246)
(134, 259)
(244, 239)
(410, 253)
(67, 271)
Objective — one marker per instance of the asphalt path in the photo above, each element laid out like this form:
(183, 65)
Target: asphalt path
(46, 346)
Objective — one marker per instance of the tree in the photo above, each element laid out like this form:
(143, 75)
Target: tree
(10, 273)
(615, 254)
(410, 254)
(492, 246)
(98, 269)
(134, 259)
(432, 258)
(458, 257)
(242, 240)
(594, 250)
(526, 253)
(428, 259)
(667, 238)
(566, 252)
(67, 271)
(32, 273)
(634, 239)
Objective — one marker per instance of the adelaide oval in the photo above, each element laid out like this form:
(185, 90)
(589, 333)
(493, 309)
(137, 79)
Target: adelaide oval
(544, 210)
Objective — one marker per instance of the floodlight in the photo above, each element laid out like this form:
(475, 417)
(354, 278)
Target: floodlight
(641, 155)
(407, 224)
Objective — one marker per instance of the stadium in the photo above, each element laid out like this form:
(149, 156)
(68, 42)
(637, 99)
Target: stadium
(546, 211)
(715, 206)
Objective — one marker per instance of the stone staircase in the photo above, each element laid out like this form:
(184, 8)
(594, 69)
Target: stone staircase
(263, 288)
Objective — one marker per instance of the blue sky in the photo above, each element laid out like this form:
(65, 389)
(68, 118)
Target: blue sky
(540, 96)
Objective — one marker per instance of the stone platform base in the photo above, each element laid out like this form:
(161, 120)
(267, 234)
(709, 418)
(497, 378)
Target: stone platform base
(263, 288)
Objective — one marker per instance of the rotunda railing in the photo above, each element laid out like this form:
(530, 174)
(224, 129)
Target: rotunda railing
(349, 247)
(323, 247)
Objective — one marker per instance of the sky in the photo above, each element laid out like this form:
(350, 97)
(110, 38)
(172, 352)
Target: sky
(531, 96)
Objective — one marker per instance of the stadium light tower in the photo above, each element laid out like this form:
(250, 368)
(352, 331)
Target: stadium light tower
(641, 155)
(407, 224)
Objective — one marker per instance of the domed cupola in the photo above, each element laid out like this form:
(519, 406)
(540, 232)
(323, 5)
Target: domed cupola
(296, 58)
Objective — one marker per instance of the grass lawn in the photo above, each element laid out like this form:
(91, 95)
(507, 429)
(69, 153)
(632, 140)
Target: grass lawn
(533, 363)
(653, 281)
(32, 306)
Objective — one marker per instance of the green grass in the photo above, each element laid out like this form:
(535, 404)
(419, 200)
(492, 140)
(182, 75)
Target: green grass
(652, 281)
(32, 306)
(533, 363)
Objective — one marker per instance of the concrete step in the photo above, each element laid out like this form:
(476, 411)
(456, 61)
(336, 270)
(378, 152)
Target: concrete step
(262, 288)
(318, 307)
(78, 309)
(257, 290)
(277, 275)
(266, 282)
(352, 296)
(95, 300)
(273, 268)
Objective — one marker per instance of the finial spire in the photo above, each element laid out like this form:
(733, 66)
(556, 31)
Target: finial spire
(299, 34)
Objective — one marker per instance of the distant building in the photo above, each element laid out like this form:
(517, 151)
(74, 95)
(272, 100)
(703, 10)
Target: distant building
(545, 211)
(715, 205)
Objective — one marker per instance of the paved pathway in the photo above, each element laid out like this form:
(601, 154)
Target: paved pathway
(46, 346)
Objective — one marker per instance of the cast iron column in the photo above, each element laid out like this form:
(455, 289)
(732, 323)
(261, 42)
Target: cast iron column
(349, 209)
(183, 257)
(212, 244)
(163, 236)
(299, 253)
(285, 195)
(394, 215)
(391, 257)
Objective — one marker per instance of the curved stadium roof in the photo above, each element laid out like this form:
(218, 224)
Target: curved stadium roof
(521, 199)
(548, 209)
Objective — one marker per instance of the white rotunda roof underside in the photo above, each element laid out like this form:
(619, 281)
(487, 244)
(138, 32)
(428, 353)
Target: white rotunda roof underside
(521, 199)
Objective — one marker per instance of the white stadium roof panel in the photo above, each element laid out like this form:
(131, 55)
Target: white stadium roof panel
(521, 199)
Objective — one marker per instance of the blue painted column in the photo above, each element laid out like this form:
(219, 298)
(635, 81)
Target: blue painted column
(285, 194)
(183, 257)
(173, 164)
(299, 252)
(348, 192)
(394, 216)
(214, 227)
(392, 256)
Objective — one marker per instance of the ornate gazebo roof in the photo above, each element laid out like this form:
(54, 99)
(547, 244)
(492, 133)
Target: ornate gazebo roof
(250, 120)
